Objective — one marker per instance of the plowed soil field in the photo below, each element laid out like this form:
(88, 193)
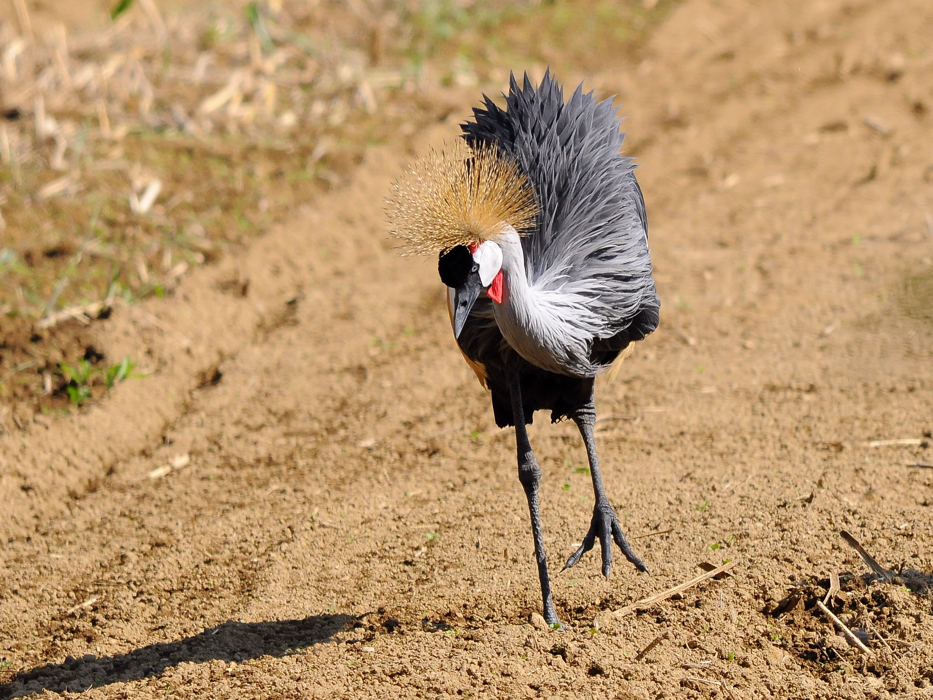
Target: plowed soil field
(307, 495)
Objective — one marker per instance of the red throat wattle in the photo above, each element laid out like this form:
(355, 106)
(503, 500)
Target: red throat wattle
(495, 289)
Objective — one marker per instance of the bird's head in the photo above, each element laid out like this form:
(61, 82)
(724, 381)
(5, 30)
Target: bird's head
(457, 203)
(467, 270)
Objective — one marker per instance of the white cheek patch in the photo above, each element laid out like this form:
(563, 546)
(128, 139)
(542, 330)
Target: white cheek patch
(489, 258)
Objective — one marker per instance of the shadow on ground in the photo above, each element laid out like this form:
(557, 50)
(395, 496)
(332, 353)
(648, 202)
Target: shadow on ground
(231, 641)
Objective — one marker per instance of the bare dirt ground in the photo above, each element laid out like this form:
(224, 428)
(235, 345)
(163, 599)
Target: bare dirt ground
(308, 497)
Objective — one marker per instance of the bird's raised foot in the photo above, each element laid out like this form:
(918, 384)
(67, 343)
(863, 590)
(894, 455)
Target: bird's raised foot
(605, 526)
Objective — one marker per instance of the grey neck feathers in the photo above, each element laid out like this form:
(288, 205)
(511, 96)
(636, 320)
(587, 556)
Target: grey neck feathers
(550, 328)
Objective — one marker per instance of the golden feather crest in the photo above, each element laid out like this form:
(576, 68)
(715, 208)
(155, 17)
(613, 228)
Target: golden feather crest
(457, 196)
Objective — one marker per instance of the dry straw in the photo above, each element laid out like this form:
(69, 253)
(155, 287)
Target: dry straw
(457, 196)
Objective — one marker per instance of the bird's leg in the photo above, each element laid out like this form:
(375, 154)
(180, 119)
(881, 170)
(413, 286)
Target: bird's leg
(529, 474)
(605, 523)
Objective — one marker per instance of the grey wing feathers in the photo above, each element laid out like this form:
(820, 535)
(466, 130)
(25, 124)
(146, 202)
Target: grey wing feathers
(590, 239)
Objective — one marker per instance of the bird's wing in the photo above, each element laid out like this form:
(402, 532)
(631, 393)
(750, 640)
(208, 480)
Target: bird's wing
(640, 207)
(590, 240)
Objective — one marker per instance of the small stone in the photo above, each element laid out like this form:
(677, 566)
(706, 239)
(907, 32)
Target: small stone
(537, 621)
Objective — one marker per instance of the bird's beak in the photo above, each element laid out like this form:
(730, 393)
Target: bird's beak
(463, 298)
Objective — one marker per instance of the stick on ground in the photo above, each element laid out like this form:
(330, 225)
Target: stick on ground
(664, 595)
(652, 534)
(898, 442)
(885, 574)
(849, 634)
(834, 587)
(647, 650)
(83, 313)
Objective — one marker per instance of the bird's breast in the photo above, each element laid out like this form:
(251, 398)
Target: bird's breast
(545, 331)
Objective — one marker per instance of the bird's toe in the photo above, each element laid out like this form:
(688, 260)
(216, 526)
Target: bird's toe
(606, 528)
(626, 548)
(605, 540)
(587, 545)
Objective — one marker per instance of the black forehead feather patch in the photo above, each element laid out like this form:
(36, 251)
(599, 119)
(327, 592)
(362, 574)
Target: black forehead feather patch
(455, 265)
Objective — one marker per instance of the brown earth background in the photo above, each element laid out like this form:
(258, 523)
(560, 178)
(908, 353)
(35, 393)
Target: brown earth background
(297, 489)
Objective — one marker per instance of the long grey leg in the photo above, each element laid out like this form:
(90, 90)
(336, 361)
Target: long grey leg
(605, 523)
(529, 474)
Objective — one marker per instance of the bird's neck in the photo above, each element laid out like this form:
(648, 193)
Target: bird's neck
(516, 290)
(528, 317)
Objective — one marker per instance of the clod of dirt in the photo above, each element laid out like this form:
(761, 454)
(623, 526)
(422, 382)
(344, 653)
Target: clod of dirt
(391, 625)
(564, 652)
(595, 669)
(210, 376)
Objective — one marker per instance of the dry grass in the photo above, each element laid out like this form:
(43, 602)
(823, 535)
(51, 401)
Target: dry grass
(130, 155)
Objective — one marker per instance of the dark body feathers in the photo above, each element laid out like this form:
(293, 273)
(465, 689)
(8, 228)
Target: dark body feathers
(589, 241)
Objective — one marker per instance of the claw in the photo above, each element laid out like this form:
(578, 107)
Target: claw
(605, 526)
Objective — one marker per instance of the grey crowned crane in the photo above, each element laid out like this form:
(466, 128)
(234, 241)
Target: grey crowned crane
(541, 232)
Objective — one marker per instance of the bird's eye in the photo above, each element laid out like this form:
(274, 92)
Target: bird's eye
(455, 266)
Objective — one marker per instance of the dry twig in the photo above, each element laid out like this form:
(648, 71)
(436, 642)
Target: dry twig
(849, 634)
(83, 313)
(86, 604)
(868, 559)
(834, 587)
(898, 442)
(878, 125)
(653, 534)
(664, 595)
(647, 650)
